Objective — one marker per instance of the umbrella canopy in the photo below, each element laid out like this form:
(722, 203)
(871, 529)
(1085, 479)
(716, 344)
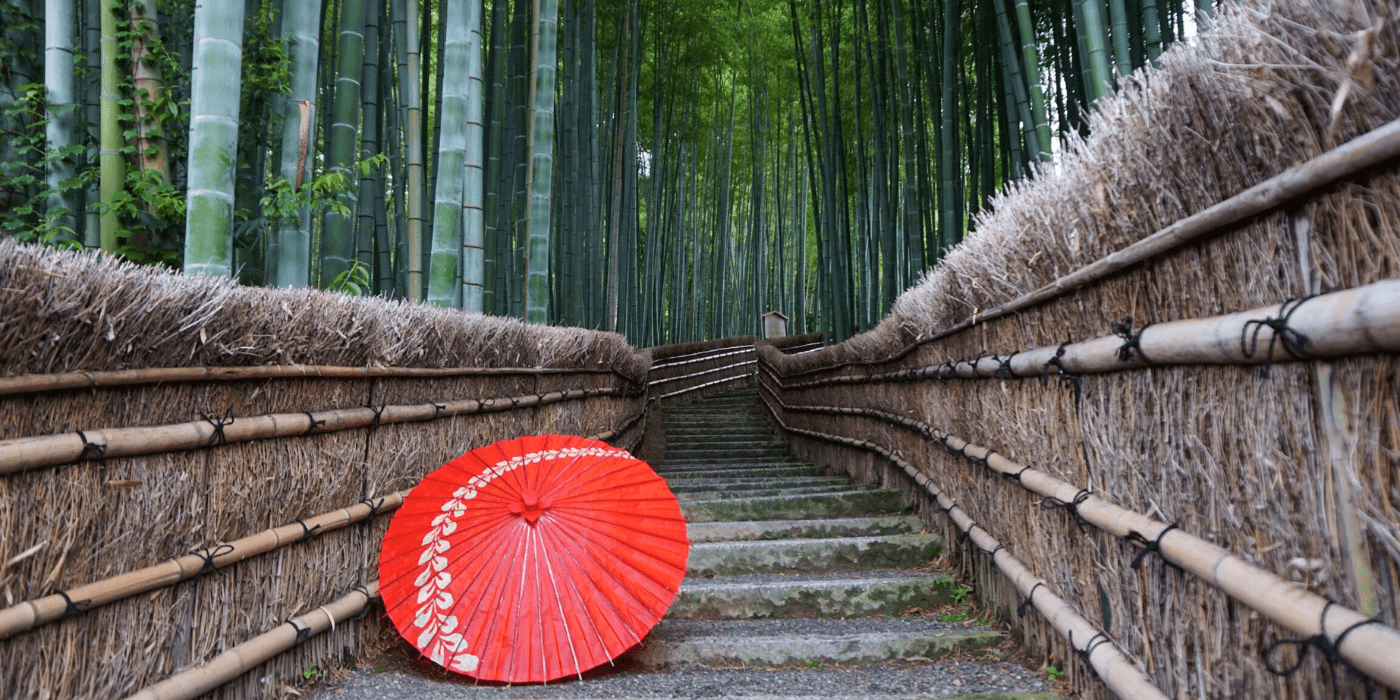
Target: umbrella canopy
(533, 559)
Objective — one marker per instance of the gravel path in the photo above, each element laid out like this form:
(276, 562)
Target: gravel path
(887, 680)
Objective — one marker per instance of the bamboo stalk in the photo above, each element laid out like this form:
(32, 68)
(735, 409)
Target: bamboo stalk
(699, 374)
(244, 657)
(698, 387)
(21, 454)
(1350, 322)
(1366, 151)
(35, 383)
(707, 358)
(1372, 648)
(1114, 668)
(33, 613)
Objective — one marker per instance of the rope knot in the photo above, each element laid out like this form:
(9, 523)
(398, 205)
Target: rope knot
(1132, 341)
(219, 423)
(1294, 342)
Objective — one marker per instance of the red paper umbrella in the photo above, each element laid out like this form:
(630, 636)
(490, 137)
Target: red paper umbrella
(533, 559)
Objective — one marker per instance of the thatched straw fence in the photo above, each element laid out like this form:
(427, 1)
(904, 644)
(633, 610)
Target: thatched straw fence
(1158, 386)
(194, 473)
(685, 371)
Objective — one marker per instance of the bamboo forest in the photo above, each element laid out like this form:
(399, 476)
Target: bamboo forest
(668, 170)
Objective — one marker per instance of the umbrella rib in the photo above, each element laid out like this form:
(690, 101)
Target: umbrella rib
(568, 635)
(620, 586)
(583, 527)
(519, 600)
(503, 569)
(566, 550)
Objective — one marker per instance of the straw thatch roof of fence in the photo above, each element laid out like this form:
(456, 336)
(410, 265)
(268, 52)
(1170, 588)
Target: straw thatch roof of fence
(75, 311)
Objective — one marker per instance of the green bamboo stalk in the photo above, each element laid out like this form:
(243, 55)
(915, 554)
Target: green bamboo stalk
(1152, 29)
(112, 167)
(218, 63)
(473, 200)
(494, 293)
(301, 27)
(92, 111)
(443, 288)
(369, 138)
(337, 237)
(1122, 53)
(1030, 62)
(541, 164)
(62, 205)
(1091, 28)
(413, 288)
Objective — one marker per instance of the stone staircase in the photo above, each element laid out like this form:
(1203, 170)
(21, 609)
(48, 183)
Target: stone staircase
(800, 584)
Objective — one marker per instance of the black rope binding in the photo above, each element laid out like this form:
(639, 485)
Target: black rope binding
(1017, 476)
(312, 423)
(360, 587)
(219, 423)
(1094, 642)
(72, 607)
(1052, 503)
(985, 459)
(308, 532)
(209, 554)
(1149, 546)
(373, 508)
(1025, 604)
(1294, 342)
(992, 553)
(1058, 362)
(89, 446)
(303, 633)
(438, 408)
(1331, 651)
(1004, 365)
(964, 535)
(378, 412)
(1132, 341)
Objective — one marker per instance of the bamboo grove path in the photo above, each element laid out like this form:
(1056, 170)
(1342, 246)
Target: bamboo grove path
(800, 584)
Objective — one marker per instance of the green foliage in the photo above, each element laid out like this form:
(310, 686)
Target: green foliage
(1054, 673)
(960, 593)
(354, 281)
(280, 202)
(312, 673)
(23, 189)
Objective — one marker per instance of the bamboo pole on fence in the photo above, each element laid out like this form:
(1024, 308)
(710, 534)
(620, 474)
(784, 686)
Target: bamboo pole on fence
(33, 613)
(244, 657)
(1350, 322)
(1113, 667)
(1372, 647)
(1366, 151)
(702, 373)
(20, 454)
(668, 364)
(35, 383)
(708, 384)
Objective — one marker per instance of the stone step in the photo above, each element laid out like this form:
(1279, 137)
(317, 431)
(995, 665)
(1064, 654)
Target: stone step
(682, 485)
(727, 440)
(706, 472)
(740, 452)
(815, 555)
(826, 505)
(867, 594)
(785, 460)
(756, 530)
(807, 643)
(773, 491)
